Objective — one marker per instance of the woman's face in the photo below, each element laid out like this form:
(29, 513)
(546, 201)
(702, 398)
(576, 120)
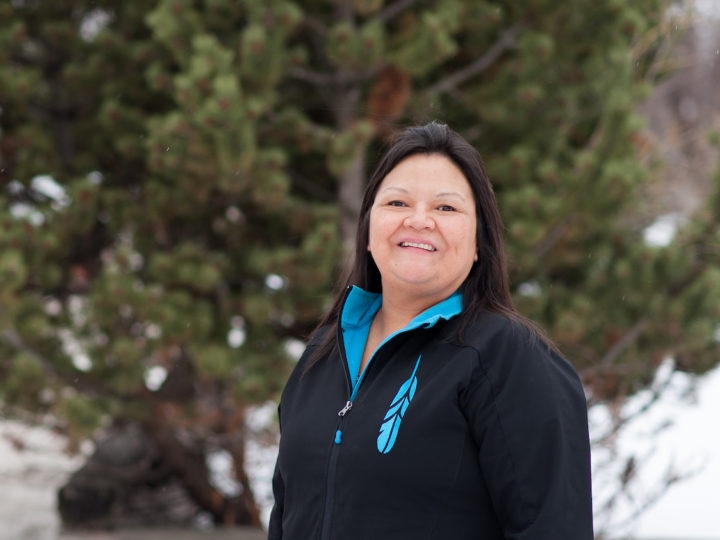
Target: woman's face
(423, 227)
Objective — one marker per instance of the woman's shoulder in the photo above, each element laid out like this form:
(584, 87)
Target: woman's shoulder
(516, 368)
(508, 349)
(490, 329)
(318, 336)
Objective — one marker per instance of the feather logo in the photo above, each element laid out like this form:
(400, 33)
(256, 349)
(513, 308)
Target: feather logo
(394, 415)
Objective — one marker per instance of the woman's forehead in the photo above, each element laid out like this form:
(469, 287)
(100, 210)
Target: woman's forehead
(433, 173)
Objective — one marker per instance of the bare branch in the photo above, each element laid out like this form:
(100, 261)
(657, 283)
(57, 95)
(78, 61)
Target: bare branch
(314, 189)
(670, 477)
(314, 24)
(506, 41)
(630, 337)
(344, 11)
(553, 237)
(341, 77)
(312, 77)
(619, 422)
(394, 9)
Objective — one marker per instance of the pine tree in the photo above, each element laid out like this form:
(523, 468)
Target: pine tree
(211, 155)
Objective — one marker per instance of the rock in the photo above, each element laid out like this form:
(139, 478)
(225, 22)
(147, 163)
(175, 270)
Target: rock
(125, 483)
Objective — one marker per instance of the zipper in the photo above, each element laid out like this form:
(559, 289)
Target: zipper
(342, 413)
(332, 467)
(337, 439)
(330, 484)
(345, 409)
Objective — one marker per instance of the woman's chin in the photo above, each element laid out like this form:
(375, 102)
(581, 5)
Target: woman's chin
(416, 283)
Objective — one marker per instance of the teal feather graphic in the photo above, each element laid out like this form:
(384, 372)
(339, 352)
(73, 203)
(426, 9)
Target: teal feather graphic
(394, 415)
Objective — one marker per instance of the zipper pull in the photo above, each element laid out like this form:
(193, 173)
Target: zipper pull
(345, 409)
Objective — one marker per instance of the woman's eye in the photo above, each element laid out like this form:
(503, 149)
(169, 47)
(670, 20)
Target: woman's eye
(446, 208)
(396, 203)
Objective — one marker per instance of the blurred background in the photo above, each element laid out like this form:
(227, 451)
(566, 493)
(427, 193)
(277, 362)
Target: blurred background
(179, 183)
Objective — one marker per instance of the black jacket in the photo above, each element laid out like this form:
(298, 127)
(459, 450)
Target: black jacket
(485, 439)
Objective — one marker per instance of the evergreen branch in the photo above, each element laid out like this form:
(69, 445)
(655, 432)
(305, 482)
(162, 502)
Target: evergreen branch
(78, 380)
(394, 9)
(634, 333)
(506, 41)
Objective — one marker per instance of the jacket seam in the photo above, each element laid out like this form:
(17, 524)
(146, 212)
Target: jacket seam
(493, 393)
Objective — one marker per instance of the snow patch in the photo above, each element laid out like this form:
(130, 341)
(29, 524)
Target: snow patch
(33, 466)
(662, 231)
(669, 434)
(222, 475)
(260, 454)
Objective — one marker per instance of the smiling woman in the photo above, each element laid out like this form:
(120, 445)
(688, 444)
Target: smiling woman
(424, 405)
(422, 229)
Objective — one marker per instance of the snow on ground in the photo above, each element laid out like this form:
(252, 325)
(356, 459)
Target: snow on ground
(32, 467)
(680, 429)
(260, 455)
(678, 434)
(691, 509)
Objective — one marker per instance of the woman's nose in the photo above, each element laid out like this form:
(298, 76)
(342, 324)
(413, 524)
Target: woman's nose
(420, 219)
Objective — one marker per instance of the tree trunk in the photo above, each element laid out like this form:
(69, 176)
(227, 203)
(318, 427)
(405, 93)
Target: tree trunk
(147, 476)
(350, 193)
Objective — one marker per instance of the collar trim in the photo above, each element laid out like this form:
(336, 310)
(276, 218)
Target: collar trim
(361, 306)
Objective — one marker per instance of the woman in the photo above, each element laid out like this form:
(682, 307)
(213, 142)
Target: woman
(425, 406)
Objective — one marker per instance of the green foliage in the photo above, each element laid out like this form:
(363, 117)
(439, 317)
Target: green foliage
(24, 381)
(13, 272)
(213, 360)
(178, 201)
(203, 146)
(82, 414)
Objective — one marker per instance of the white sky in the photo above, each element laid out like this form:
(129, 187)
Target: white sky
(690, 509)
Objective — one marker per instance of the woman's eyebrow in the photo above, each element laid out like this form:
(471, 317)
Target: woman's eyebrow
(438, 195)
(450, 194)
(395, 188)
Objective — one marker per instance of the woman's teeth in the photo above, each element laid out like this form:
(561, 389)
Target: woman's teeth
(426, 247)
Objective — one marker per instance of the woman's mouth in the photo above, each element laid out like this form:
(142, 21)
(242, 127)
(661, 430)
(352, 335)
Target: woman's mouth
(426, 247)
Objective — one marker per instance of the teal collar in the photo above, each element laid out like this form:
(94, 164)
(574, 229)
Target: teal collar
(360, 308)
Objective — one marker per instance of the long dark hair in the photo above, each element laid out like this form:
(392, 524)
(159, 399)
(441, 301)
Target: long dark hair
(486, 287)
